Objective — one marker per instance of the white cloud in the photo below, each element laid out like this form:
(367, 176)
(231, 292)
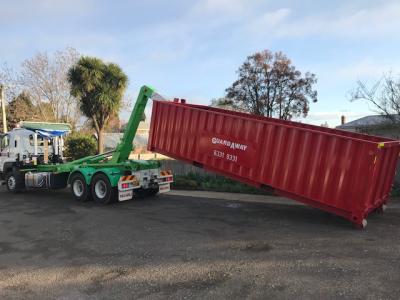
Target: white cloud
(12, 12)
(365, 69)
(223, 7)
(378, 21)
(369, 69)
(269, 20)
(381, 20)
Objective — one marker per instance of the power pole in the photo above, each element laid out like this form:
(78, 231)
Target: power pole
(3, 107)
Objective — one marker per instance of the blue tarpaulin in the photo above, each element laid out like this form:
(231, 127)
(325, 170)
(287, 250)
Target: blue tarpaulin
(45, 129)
(51, 133)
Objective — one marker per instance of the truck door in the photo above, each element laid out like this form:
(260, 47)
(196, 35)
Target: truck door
(4, 150)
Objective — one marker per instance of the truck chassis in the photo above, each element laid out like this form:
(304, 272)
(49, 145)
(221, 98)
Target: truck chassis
(105, 178)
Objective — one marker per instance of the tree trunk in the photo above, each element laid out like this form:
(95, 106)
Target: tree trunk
(100, 141)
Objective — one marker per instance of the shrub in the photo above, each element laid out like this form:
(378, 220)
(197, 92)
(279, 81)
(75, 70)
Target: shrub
(185, 183)
(78, 145)
(207, 182)
(395, 190)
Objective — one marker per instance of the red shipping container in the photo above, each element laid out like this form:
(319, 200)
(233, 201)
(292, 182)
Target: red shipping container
(345, 173)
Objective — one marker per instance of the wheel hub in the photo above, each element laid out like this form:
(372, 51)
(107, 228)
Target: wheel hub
(78, 188)
(12, 183)
(100, 189)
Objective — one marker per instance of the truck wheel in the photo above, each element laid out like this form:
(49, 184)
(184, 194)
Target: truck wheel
(15, 182)
(79, 188)
(102, 191)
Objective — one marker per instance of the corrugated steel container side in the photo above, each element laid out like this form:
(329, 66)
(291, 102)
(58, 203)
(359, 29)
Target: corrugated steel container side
(345, 173)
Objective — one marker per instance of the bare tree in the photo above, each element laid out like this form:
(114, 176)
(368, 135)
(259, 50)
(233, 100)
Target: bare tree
(383, 95)
(270, 85)
(44, 78)
(225, 103)
(8, 78)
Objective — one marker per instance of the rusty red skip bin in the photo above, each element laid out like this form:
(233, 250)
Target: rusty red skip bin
(345, 173)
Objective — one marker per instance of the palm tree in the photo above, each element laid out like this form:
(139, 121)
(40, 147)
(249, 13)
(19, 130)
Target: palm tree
(99, 87)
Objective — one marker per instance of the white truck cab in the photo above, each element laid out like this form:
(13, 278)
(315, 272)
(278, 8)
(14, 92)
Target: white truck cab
(29, 145)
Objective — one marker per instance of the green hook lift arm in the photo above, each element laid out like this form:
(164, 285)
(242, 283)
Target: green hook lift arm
(124, 148)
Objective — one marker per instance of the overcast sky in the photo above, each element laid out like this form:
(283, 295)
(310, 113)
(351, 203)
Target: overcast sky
(192, 49)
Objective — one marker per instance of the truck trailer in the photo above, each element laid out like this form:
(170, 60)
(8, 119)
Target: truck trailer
(32, 158)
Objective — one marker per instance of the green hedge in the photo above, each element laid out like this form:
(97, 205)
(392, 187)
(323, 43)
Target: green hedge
(194, 181)
(78, 145)
(395, 190)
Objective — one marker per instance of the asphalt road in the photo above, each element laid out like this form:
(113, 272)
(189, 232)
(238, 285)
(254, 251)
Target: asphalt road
(179, 247)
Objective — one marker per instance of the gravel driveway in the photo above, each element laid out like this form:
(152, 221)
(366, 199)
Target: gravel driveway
(180, 247)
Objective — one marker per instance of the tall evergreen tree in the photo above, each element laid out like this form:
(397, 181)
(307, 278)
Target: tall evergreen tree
(99, 87)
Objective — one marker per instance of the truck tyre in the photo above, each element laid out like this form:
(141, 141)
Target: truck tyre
(15, 181)
(102, 191)
(79, 188)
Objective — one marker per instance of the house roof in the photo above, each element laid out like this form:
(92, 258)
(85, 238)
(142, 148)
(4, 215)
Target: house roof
(368, 121)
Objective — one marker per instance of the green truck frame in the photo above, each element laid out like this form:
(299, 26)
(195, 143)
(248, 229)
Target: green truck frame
(105, 178)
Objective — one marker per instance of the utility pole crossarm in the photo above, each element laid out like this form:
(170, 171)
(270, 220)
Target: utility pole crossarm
(124, 148)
